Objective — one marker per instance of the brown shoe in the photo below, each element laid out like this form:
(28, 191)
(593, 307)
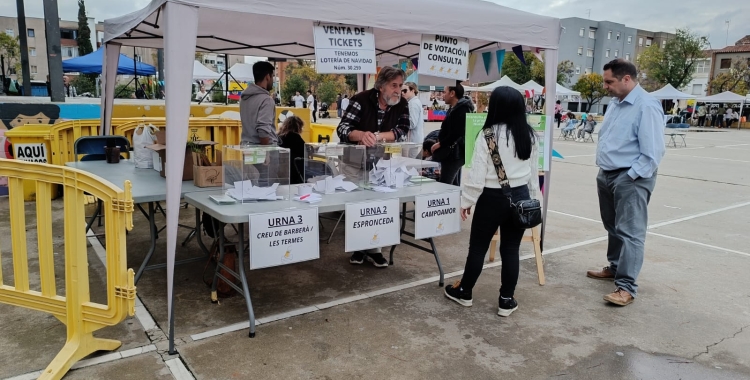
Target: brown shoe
(619, 297)
(604, 274)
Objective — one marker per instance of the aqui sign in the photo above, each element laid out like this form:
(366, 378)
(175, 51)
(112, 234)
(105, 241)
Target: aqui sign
(344, 49)
(444, 56)
(437, 214)
(285, 237)
(372, 224)
(36, 152)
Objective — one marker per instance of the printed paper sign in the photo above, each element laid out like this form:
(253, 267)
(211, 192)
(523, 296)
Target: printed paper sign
(372, 224)
(36, 152)
(437, 214)
(444, 56)
(285, 237)
(344, 49)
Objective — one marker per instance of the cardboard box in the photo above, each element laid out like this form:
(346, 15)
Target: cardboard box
(207, 175)
(187, 168)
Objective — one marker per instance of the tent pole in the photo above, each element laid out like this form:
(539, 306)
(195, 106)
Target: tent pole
(226, 87)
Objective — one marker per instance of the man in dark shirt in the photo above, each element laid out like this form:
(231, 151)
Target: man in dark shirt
(376, 115)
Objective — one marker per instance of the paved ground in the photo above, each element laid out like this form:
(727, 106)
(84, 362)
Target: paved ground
(326, 319)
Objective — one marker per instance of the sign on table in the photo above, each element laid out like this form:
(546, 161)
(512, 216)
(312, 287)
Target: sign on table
(444, 56)
(285, 237)
(437, 214)
(36, 152)
(475, 122)
(344, 49)
(372, 224)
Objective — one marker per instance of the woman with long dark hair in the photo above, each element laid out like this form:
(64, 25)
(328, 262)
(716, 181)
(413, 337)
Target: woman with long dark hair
(518, 151)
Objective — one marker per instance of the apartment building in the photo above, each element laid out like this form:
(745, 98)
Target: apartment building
(646, 39)
(721, 59)
(699, 85)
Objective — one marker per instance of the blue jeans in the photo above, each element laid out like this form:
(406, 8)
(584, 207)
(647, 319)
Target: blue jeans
(623, 204)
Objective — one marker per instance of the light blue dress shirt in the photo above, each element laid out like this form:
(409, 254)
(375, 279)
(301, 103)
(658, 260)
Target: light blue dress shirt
(632, 135)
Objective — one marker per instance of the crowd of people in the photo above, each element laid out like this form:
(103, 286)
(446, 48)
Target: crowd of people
(630, 148)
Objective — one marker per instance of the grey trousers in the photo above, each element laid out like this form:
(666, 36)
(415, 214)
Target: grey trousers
(623, 204)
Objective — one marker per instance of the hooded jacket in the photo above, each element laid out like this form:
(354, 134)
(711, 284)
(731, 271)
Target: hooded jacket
(453, 128)
(257, 112)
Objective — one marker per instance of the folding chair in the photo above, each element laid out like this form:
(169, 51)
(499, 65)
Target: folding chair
(92, 147)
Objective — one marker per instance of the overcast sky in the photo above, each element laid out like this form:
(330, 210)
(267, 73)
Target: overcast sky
(701, 16)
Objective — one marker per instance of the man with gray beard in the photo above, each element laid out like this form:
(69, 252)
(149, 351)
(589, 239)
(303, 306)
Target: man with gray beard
(376, 115)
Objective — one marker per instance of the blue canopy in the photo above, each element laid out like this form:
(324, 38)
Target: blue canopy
(92, 64)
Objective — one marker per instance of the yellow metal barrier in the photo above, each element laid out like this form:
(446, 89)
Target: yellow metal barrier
(81, 316)
(321, 133)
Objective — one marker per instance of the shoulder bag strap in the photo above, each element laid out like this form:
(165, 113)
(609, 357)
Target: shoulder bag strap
(489, 136)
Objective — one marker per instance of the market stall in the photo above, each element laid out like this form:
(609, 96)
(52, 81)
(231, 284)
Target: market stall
(286, 32)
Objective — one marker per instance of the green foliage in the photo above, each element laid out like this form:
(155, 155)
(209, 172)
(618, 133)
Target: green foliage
(84, 83)
(124, 92)
(736, 79)
(84, 32)
(292, 84)
(351, 82)
(517, 71)
(11, 52)
(327, 91)
(591, 87)
(675, 64)
(565, 72)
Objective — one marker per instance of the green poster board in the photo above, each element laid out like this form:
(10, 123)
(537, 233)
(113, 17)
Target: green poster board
(475, 122)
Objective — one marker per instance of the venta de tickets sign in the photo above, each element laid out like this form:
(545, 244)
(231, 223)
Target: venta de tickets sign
(344, 49)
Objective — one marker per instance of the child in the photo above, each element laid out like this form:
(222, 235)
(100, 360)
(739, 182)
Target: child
(290, 136)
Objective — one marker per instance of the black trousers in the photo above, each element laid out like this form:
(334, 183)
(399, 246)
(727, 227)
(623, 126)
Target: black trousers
(450, 172)
(492, 211)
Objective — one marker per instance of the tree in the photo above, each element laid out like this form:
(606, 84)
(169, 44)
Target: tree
(351, 82)
(564, 72)
(736, 79)
(676, 63)
(11, 53)
(591, 88)
(293, 83)
(517, 71)
(84, 32)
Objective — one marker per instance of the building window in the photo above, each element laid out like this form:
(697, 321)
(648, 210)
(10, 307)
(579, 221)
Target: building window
(590, 52)
(33, 69)
(640, 41)
(10, 32)
(627, 57)
(649, 41)
(580, 32)
(30, 32)
(592, 33)
(578, 70)
(630, 39)
(580, 50)
(11, 71)
(606, 54)
(589, 70)
(697, 89)
(32, 52)
(618, 36)
(617, 53)
(69, 51)
(701, 67)
(663, 43)
(68, 34)
(725, 63)
(609, 35)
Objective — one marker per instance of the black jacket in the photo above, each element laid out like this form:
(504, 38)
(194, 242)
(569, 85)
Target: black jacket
(453, 128)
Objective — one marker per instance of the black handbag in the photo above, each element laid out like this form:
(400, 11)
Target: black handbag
(527, 213)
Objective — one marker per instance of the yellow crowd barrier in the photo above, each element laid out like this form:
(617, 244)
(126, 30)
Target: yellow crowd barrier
(81, 316)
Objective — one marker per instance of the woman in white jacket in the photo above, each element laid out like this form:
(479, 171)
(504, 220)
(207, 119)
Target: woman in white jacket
(517, 146)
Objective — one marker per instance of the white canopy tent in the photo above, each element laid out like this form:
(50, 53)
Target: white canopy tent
(242, 72)
(726, 97)
(271, 30)
(201, 72)
(504, 81)
(562, 91)
(531, 85)
(668, 92)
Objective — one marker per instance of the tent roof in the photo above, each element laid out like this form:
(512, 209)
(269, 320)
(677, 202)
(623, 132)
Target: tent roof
(243, 72)
(562, 91)
(531, 85)
(669, 92)
(724, 97)
(92, 64)
(270, 30)
(201, 72)
(504, 81)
